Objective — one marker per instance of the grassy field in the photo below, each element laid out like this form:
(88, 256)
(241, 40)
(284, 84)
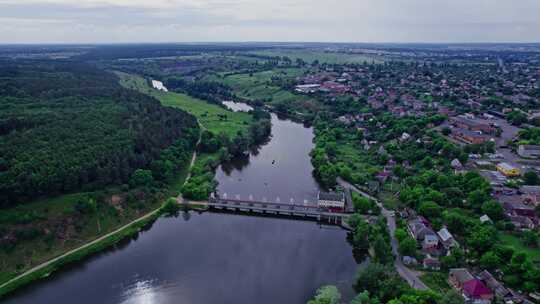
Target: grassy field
(311, 55)
(436, 281)
(516, 244)
(213, 117)
(257, 86)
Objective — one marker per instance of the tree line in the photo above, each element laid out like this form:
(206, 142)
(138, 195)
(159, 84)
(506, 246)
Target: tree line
(68, 126)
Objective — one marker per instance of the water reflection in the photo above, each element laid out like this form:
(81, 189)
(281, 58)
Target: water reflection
(222, 258)
(140, 292)
(237, 106)
(213, 258)
(279, 169)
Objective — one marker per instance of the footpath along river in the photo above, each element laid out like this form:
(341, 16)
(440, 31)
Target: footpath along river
(221, 258)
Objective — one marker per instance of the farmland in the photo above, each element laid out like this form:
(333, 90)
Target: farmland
(214, 118)
(323, 57)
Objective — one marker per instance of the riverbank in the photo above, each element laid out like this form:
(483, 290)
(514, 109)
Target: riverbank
(44, 270)
(131, 229)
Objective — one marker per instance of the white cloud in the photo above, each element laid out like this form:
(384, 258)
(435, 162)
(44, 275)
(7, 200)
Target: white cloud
(265, 20)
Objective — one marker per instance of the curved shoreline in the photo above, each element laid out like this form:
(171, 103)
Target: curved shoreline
(101, 243)
(47, 268)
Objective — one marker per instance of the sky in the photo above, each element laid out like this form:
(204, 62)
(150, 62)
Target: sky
(121, 21)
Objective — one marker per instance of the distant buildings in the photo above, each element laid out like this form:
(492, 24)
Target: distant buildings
(470, 137)
(307, 88)
(334, 87)
(472, 125)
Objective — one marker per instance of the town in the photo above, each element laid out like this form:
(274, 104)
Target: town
(403, 172)
(489, 113)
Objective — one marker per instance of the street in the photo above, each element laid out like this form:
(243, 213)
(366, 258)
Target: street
(412, 277)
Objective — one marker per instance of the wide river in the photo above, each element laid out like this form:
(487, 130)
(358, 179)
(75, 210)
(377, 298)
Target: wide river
(221, 258)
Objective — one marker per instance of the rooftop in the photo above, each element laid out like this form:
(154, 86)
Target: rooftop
(332, 196)
(506, 166)
(475, 288)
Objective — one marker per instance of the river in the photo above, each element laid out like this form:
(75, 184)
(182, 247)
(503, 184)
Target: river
(221, 258)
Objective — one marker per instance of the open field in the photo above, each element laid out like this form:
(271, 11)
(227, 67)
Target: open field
(259, 87)
(213, 117)
(516, 244)
(323, 57)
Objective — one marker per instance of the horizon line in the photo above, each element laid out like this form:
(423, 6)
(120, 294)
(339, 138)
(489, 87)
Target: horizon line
(263, 42)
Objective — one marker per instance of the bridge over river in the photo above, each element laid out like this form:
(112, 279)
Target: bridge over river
(305, 210)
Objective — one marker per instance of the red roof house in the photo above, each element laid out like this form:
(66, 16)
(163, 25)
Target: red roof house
(475, 289)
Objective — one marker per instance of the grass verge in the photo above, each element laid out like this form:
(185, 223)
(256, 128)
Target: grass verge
(214, 118)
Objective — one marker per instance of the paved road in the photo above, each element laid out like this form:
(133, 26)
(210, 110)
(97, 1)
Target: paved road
(412, 277)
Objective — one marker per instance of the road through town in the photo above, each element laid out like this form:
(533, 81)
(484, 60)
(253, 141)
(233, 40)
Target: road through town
(412, 277)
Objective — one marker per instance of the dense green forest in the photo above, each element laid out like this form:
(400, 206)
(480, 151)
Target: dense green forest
(67, 126)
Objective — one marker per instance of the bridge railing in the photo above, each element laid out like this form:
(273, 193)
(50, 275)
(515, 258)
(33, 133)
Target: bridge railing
(238, 202)
(270, 206)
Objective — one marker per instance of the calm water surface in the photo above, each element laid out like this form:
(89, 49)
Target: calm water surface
(221, 258)
(281, 170)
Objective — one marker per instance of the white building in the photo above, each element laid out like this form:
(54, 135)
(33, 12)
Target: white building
(331, 200)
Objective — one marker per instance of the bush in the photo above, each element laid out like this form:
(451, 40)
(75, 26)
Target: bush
(170, 206)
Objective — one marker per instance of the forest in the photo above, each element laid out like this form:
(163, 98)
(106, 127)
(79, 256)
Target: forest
(67, 126)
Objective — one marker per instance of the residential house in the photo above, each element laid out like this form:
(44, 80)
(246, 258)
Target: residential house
(476, 291)
(521, 215)
(431, 263)
(472, 289)
(498, 288)
(522, 222)
(456, 164)
(457, 277)
(420, 231)
(430, 242)
(447, 239)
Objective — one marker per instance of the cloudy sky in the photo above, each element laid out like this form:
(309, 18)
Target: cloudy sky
(91, 21)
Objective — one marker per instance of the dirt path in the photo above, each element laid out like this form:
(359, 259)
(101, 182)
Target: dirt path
(142, 218)
(194, 157)
(45, 264)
